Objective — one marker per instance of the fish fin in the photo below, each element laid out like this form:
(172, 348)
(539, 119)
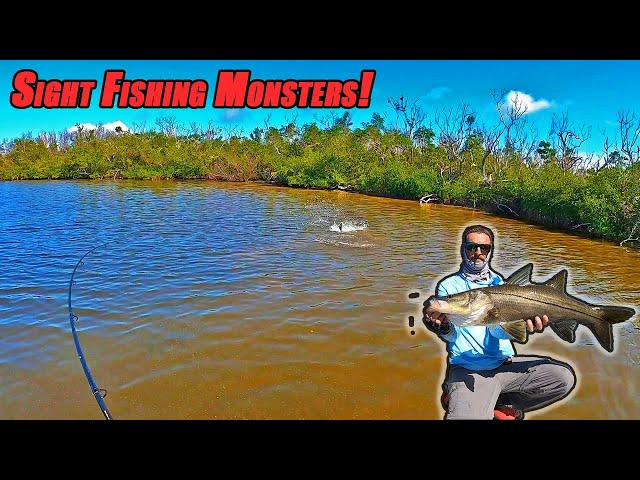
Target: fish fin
(474, 318)
(566, 330)
(603, 331)
(522, 276)
(558, 281)
(518, 330)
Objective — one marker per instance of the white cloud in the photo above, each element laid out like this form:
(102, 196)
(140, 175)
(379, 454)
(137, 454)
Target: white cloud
(520, 101)
(231, 114)
(436, 93)
(83, 126)
(109, 127)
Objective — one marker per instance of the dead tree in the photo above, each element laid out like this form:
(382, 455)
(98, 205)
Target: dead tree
(519, 135)
(231, 132)
(195, 131)
(454, 127)
(140, 127)
(410, 118)
(629, 133)
(6, 146)
(65, 140)
(168, 125)
(212, 132)
(567, 139)
(326, 121)
(606, 153)
(490, 141)
(289, 130)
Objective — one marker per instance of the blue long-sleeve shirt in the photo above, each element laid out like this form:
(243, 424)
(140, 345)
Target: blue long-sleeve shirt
(476, 347)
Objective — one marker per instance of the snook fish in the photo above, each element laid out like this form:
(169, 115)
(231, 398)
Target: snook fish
(519, 298)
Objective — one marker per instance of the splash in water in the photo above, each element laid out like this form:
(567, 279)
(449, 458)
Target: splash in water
(349, 226)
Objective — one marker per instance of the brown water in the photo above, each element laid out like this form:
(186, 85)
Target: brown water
(245, 301)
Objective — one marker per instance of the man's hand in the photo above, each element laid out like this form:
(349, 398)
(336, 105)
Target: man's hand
(437, 318)
(435, 321)
(537, 324)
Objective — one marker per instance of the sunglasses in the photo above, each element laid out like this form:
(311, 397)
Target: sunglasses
(471, 247)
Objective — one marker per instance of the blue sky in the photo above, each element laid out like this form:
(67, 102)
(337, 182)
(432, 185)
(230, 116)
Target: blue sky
(590, 92)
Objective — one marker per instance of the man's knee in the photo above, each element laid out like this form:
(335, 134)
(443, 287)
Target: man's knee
(565, 378)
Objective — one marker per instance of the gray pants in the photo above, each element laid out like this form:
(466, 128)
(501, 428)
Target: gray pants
(526, 383)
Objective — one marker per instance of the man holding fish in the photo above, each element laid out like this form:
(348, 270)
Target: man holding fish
(485, 379)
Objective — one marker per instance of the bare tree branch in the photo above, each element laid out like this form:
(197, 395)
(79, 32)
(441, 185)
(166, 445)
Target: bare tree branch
(567, 140)
(454, 128)
(629, 132)
(410, 114)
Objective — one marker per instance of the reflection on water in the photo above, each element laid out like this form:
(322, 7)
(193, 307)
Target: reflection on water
(222, 301)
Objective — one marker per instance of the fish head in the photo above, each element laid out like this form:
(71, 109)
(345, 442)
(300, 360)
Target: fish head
(458, 304)
(463, 308)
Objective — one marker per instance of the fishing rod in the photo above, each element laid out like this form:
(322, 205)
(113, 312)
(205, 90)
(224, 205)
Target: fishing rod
(99, 393)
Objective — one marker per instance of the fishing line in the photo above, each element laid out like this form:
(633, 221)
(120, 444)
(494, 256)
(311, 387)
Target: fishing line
(98, 393)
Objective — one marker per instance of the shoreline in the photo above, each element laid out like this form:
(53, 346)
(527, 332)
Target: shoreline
(493, 209)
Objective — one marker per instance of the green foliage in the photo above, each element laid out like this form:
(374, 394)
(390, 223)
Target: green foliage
(315, 170)
(546, 152)
(607, 204)
(375, 159)
(550, 191)
(396, 179)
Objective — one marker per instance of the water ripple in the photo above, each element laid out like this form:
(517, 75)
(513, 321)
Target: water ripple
(251, 299)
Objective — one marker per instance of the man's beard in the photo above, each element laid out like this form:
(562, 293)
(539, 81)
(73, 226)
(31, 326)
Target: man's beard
(475, 270)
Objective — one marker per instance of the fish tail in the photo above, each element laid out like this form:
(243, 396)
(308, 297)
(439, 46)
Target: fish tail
(603, 331)
(613, 314)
